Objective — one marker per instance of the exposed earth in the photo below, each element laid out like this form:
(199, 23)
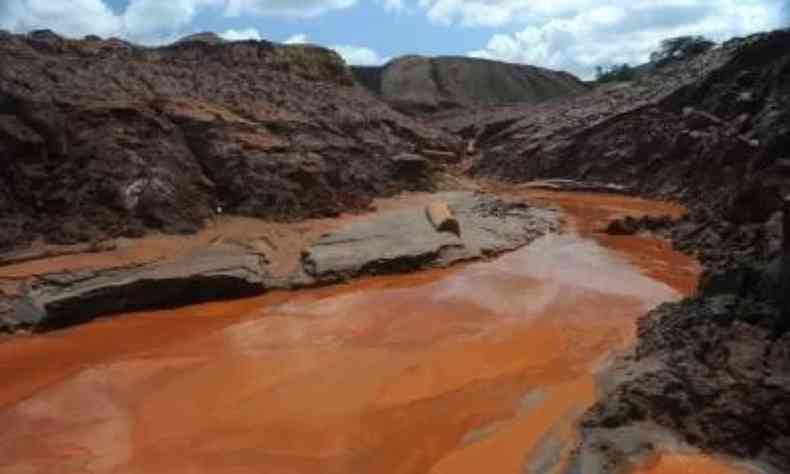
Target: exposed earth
(110, 139)
(422, 85)
(154, 179)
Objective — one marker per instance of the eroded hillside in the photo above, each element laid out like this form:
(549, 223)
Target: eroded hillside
(418, 84)
(103, 138)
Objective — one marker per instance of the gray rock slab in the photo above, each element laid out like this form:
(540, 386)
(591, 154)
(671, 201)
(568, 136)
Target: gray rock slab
(215, 273)
(405, 240)
(390, 242)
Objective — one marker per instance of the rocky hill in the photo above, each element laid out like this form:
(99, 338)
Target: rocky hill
(103, 138)
(417, 84)
(712, 132)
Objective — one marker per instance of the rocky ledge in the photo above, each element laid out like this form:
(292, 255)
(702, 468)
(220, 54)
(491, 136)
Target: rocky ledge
(713, 370)
(219, 272)
(406, 240)
(389, 242)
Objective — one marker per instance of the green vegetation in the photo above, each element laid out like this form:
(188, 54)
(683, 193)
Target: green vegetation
(672, 49)
(681, 47)
(616, 73)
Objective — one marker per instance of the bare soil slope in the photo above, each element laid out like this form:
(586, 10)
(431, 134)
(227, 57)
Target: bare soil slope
(102, 138)
(417, 84)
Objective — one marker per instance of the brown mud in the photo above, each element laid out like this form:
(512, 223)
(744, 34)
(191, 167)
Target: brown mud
(474, 369)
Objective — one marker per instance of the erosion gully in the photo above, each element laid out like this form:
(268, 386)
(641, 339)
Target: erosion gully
(481, 368)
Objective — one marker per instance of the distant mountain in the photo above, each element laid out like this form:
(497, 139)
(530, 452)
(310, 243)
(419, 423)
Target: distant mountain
(424, 85)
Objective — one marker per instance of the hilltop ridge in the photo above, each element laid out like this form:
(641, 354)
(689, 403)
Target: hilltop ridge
(419, 84)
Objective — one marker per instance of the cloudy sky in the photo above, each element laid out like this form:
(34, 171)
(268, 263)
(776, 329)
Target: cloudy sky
(574, 35)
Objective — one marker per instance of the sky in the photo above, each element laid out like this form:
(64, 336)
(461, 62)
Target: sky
(571, 35)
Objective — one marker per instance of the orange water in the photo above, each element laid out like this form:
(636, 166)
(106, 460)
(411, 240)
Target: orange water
(463, 370)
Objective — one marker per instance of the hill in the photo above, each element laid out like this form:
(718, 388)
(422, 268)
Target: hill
(107, 138)
(418, 84)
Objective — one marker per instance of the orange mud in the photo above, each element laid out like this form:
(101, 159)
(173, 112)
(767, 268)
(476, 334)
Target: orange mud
(466, 370)
(590, 213)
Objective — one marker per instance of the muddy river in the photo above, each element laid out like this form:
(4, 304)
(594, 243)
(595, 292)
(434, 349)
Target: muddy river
(482, 368)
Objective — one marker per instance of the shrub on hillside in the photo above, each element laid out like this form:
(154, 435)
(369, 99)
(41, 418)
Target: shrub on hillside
(681, 47)
(616, 73)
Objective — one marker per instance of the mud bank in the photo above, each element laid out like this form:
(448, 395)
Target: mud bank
(486, 366)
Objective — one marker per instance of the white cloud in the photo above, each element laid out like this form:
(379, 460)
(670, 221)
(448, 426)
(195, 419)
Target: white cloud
(240, 35)
(359, 56)
(622, 31)
(474, 12)
(393, 5)
(288, 8)
(155, 21)
(354, 55)
(73, 18)
(146, 21)
(300, 38)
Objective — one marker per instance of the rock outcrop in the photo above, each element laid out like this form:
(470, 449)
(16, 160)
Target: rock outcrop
(406, 240)
(220, 272)
(714, 370)
(420, 85)
(111, 139)
(707, 131)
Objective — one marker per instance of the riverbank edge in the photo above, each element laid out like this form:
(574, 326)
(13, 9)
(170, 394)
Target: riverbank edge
(225, 271)
(710, 373)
